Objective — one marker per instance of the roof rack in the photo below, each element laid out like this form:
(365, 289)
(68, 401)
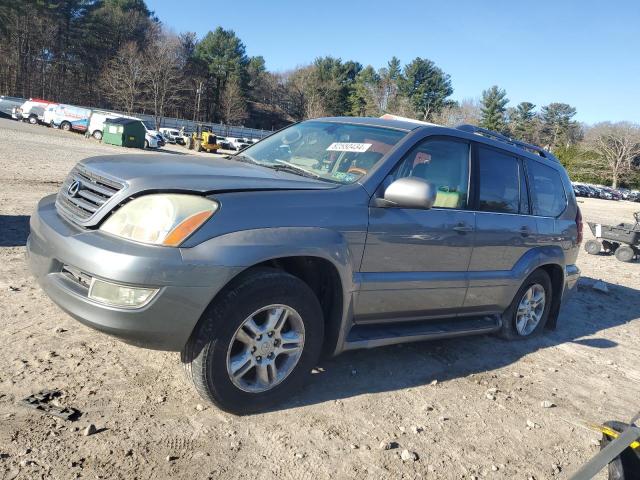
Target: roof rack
(503, 138)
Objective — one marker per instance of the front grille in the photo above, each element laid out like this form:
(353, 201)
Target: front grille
(93, 193)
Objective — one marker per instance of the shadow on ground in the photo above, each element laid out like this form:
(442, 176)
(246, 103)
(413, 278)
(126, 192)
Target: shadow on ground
(405, 366)
(14, 230)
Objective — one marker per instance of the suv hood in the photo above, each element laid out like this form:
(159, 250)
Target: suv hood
(178, 173)
(198, 174)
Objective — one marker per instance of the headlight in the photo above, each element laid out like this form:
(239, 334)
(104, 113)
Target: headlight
(160, 219)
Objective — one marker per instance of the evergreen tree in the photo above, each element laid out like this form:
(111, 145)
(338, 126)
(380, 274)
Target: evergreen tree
(222, 55)
(522, 122)
(558, 127)
(426, 86)
(493, 108)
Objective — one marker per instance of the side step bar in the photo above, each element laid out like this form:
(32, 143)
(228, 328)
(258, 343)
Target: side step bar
(381, 334)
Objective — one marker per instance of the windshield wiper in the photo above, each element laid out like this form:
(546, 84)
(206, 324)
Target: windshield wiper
(284, 166)
(242, 158)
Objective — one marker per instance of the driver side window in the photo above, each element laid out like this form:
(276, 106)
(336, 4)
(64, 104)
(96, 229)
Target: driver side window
(444, 163)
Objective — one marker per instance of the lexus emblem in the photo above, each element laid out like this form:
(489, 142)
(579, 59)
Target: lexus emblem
(74, 188)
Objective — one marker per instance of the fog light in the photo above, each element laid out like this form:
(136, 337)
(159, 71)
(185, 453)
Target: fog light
(120, 295)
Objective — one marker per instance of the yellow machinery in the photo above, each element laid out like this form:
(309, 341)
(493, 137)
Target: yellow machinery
(204, 139)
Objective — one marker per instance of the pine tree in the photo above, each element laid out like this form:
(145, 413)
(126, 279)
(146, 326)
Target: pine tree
(494, 106)
(523, 122)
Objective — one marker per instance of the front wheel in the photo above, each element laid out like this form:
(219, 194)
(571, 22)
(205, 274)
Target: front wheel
(66, 126)
(146, 144)
(528, 313)
(97, 134)
(256, 343)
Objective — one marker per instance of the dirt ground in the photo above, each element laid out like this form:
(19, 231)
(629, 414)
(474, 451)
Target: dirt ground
(469, 408)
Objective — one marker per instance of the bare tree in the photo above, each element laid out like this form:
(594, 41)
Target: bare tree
(467, 111)
(122, 78)
(163, 77)
(234, 105)
(619, 146)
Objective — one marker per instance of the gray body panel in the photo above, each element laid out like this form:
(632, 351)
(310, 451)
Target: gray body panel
(395, 265)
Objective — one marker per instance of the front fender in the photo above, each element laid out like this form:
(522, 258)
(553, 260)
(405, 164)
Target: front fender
(246, 248)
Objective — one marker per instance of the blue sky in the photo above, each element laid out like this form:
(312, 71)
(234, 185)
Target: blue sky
(582, 52)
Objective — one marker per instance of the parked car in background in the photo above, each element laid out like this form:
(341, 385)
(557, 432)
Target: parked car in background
(237, 143)
(224, 143)
(153, 138)
(362, 232)
(8, 105)
(32, 110)
(172, 135)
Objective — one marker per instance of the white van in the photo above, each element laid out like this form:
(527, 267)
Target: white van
(67, 117)
(32, 110)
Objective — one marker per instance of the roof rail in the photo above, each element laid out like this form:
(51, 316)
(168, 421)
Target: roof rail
(503, 138)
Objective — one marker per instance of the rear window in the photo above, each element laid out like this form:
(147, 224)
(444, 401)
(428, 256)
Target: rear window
(547, 190)
(499, 178)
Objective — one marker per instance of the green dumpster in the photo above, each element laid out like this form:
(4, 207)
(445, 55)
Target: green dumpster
(126, 132)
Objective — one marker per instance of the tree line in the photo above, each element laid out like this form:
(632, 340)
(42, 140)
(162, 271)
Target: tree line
(117, 54)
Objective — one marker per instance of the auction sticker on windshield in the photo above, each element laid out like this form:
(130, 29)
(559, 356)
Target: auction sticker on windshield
(349, 147)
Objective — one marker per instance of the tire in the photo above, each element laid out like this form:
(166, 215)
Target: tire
(97, 134)
(146, 144)
(33, 120)
(510, 329)
(66, 126)
(625, 253)
(206, 357)
(198, 146)
(593, 247)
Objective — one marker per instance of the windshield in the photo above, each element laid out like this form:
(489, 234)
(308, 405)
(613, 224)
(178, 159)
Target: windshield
(336, 152)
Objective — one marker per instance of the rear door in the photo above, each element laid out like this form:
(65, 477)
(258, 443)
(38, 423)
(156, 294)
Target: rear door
(415, 261)
(505, 229)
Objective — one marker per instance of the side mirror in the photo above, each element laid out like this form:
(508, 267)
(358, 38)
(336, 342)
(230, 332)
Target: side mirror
(411, 192)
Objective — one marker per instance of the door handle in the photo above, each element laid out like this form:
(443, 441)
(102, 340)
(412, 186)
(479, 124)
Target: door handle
(525, 231)
(463, 228)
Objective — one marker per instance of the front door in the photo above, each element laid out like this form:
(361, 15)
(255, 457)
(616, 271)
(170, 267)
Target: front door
(415, 261)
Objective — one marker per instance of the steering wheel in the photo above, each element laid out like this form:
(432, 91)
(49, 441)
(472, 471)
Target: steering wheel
(361, 171)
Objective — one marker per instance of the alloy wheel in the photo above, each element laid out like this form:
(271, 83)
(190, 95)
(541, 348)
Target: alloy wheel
(265, 349)
(530, 309)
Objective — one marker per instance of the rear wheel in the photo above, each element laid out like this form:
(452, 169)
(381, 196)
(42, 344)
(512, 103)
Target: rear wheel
(528, 313)
(66, 126)
(593, 247)
(625, 253)
(255, 344)
(33, 119)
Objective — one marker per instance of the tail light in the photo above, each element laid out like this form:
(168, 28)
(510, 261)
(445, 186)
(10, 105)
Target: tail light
(579, 224)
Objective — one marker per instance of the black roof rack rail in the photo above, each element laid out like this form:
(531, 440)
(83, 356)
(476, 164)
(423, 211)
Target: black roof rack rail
(503, 138)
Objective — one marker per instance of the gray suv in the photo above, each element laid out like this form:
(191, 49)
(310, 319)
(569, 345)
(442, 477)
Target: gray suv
(330, 235)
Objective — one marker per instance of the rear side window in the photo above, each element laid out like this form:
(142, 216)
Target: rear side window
(547, 191)
(499, 177)
(445, 163)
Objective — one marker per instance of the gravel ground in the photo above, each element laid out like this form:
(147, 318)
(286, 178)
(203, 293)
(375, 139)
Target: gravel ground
(462, 408)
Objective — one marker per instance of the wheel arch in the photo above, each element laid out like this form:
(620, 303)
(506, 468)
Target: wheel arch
(551, 260)
(319, 257)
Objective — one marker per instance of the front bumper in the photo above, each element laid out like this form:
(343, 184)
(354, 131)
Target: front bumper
(185, 287)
